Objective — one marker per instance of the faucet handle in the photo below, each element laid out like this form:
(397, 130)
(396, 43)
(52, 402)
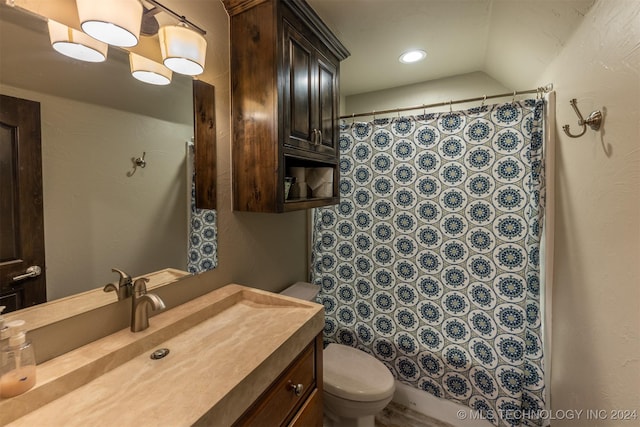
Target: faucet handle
(140, 286)
(125, 279)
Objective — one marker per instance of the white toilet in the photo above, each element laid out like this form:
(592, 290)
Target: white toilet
(356, 385)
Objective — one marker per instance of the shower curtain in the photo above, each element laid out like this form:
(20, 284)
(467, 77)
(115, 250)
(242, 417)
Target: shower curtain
(202, 251)
(431, 260)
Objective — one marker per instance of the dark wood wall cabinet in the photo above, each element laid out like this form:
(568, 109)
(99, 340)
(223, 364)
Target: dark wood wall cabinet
(285, 65)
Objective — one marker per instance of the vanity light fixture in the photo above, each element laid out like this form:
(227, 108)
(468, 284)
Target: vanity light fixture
(183, 49)
(76, 44)
(149, 71)
(121, 23)
(116, 22)
(412, 56)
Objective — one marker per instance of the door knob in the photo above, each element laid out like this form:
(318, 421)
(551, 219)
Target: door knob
(33, 271)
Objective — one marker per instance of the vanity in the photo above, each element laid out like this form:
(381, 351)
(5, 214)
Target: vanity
(236, 356)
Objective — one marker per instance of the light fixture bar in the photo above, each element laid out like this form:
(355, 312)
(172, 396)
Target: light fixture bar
(179, 17)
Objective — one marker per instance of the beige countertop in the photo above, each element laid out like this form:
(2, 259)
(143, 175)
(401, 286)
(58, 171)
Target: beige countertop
(226, 347)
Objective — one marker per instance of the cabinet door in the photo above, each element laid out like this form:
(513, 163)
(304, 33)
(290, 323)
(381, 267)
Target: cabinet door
(298, 96)
(281, 402)
(327, 112)
(310, 102)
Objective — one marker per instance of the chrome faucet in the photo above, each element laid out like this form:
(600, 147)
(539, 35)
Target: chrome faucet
(125, 285)
(141, 301)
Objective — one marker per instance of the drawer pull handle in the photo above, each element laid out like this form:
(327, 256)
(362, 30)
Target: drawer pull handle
(297, 389)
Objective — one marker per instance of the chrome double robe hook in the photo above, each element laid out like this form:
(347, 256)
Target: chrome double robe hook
(594, 121)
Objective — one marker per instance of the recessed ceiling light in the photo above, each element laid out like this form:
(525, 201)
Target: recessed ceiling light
(411, 56)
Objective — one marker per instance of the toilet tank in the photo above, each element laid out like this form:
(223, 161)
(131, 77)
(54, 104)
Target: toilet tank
(302, 290)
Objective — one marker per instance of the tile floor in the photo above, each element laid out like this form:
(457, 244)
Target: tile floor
(396, 415)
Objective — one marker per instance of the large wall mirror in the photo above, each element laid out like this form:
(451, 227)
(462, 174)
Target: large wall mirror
(99, 211)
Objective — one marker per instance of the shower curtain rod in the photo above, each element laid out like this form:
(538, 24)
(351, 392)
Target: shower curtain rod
(543, 89)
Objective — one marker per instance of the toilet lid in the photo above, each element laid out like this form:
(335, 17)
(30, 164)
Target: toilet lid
(352, 374)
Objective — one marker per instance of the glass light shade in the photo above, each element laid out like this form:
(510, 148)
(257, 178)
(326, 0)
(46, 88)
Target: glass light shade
(149, 71)
(116, 22)
(183, 49)
(76, 44)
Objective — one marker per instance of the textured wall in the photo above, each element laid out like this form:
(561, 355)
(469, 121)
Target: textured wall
(596, 322)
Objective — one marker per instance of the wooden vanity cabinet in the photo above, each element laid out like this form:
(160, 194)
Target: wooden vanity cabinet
(285, 66)
(295, 397)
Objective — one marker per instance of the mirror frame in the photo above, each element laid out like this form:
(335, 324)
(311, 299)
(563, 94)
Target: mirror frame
(204, 124)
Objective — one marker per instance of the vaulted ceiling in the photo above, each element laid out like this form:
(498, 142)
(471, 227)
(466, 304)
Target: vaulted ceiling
(510, 40)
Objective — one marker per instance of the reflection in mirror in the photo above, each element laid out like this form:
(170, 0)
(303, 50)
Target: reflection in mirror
(96, 119)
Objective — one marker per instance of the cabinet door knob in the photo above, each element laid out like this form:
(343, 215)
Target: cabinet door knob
(297, 389)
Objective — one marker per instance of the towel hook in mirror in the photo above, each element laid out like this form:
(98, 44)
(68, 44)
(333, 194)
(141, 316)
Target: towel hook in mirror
(594, 121)
(137, 161)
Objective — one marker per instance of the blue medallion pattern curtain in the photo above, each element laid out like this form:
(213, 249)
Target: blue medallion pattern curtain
(431, 260)
(203, 239)
(202, 250)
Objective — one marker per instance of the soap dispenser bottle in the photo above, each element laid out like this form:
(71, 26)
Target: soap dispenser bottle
(18, 362)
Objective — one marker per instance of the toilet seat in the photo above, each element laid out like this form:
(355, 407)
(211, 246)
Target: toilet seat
(352, 374)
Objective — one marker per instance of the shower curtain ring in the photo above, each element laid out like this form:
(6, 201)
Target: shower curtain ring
(450, 102)
(483, 101)
(513, 99)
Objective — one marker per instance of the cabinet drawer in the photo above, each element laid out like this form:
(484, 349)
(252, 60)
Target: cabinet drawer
(311, 413)
(278, 404)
